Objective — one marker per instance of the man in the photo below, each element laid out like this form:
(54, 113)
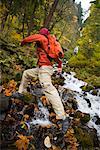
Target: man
(43, 72)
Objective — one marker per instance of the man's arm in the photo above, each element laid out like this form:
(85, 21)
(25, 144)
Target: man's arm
(32, 38)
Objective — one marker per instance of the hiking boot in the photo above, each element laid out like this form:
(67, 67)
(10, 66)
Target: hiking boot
(17, 95)
(65, 124)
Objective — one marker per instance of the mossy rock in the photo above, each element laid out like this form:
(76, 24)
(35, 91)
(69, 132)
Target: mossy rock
(29, 98)
(84, 138)
(84, 117)
(78, 114)
(87, 88)
(95, 92)
(58, 79)
(18, 76)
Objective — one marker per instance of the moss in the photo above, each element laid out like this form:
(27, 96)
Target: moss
(29, 98)
(95, 92)
(88, 88)
(85, 118)
(84, 138)
(18, 76)
(58, 79)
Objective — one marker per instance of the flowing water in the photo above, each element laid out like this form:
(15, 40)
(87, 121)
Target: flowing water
(42, 116)
(87, 103)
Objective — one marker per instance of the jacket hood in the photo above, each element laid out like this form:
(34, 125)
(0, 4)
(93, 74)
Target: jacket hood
(44, 31)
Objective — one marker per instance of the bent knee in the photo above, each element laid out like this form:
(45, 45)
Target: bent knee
(25, 73)
(47, 86)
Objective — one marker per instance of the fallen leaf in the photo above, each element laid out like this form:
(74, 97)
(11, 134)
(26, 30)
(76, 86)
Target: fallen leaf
(22, 142)
(26, 117)
(11, 87)
(55, 147)
(18, 67)
(47, 142)
(44, 100)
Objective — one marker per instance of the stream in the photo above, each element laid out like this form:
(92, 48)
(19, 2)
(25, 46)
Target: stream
(87, 103)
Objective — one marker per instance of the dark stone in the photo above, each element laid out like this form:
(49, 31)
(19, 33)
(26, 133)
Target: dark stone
(88, 101)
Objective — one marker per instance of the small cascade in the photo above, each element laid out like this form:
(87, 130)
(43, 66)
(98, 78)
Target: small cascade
(87, 103)
(41, 117)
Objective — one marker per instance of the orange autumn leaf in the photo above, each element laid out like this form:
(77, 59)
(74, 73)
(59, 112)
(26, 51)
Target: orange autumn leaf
(18, 67)
(44, 100)
(7, 92)
(10, 88)
(26, 117)
(71, 139)
(54, 147)
(22, 142)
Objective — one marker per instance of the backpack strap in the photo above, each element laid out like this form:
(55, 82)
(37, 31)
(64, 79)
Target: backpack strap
(39, 45)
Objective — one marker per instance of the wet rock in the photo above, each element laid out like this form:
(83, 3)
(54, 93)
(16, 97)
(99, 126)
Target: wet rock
(87, 88)
(29, 110)
(97, 120)
(73, 103)
(94, 92)
(84, 117)
(84, 137)
(58, 79)
(29, 98)
(4, 102)
(88, 101)
(18, 76)
(67, 94)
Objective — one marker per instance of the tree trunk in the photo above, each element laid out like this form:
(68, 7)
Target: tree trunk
(50, 15)
(23, 24)
(6, 14)
(3, 21)
(30, 26)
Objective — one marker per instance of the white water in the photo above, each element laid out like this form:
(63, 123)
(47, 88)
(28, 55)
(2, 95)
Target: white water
(42, 116)
(74, 84)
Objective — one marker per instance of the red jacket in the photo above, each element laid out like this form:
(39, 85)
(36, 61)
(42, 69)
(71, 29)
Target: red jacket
(42, 56)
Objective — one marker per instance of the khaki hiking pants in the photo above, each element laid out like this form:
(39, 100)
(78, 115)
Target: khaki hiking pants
(44, 74)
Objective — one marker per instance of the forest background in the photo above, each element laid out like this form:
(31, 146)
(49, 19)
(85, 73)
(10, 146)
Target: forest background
(21, 18)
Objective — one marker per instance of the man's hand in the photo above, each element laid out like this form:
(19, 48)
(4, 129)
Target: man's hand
(59, 70)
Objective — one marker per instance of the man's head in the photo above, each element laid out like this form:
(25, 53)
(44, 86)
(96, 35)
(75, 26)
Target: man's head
(44, 31)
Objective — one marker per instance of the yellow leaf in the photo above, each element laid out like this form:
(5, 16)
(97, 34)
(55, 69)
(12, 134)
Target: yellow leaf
(22, 142)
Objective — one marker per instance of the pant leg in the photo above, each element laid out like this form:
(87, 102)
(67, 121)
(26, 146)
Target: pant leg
(50, 91)
(27, 75)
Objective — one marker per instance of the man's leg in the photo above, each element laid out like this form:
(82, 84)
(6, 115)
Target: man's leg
(27, 75)
(50, 91)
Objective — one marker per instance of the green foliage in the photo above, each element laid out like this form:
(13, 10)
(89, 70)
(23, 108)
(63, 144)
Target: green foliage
(88, 59)
(20, 58)
(96, 2)
(21, 18)
(78, 61)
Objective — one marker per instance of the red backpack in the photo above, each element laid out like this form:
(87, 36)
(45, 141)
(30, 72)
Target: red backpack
(54, 48)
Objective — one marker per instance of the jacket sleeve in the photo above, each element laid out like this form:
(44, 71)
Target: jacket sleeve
(32, 38)
(59, 61)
